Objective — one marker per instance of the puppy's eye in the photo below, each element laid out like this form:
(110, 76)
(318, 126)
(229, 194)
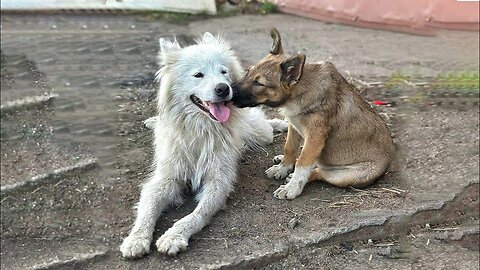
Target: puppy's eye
(247, 70)
(223, 71)
(257, 83)
(198, 75)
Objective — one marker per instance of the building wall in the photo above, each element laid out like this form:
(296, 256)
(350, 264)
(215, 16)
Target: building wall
(417, 16)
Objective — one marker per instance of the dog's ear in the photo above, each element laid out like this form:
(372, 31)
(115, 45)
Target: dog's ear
(292, 69)
(168, 52)
(208, 38)
(277, 42)
(168, 46)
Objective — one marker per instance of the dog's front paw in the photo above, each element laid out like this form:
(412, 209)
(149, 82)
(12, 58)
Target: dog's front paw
(151, 122)
(287, 192)
(279, 171)
(278, 125)
(135, 246)
(277, 159)
(171, 244)
(289, 177)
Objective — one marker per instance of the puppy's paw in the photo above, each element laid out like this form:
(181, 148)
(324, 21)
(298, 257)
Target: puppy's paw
(135, 246)
(151, 122)
(287, 192)
(277, 159)
(289, 177)
(279, 171)
(171, 244)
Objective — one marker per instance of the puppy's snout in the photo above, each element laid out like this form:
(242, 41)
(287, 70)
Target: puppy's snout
(222, 90)
(234, 89)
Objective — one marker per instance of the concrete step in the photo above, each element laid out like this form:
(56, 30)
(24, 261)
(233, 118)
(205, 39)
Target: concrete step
(437, 248)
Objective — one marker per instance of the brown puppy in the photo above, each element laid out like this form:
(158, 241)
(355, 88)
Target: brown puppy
(346, 143)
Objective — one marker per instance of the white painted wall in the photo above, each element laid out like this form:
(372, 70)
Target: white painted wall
(189, 6)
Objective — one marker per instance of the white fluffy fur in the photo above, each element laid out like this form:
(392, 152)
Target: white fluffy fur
(191, 149)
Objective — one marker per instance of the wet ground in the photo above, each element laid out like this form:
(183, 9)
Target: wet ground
(76, 89)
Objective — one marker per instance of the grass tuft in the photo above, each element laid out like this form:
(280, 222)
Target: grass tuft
(458, 81)
(268, 7)
(449, 81)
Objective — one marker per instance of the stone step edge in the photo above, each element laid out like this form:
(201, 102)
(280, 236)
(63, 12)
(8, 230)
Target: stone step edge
(79, 259)
(282, 249)
(55, 174)
(27, 102)
(399, 216)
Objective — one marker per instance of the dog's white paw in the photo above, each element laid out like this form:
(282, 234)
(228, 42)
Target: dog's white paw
(151, 122)
(278, 125)
(287, 192)
(279, 171)
(135, 246)
(289, 177)
(277, 159)
(171, 244)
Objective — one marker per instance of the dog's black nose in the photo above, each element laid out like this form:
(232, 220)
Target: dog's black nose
(222, 90)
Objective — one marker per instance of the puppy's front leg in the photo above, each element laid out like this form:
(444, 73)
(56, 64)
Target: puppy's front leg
(311, 151)
(290, 151)
(211, 199)
(155, 196)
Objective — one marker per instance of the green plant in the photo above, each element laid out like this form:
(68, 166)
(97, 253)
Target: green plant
(268, 7)
(457, 81)
(396, 79)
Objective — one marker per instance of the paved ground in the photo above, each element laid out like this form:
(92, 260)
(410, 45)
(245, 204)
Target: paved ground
(75, 90)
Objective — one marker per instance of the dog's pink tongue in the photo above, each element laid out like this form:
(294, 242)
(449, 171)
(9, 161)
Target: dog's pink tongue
(219, 111)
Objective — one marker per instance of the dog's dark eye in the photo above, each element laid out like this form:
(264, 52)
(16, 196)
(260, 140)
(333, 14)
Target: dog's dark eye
(224, 71)
(257, 83)
(198, 75)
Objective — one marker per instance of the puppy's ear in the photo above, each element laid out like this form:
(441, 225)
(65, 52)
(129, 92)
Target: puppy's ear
(292, 69)
(167, 46)
(277, 42)
(208, 38)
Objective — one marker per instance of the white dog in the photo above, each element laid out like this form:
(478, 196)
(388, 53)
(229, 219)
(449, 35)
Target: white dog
(199, 137)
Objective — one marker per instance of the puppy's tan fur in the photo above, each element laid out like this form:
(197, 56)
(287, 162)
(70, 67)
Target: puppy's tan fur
(346, 143)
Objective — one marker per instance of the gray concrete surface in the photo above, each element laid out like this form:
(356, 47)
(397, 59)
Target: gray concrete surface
(58, 213)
